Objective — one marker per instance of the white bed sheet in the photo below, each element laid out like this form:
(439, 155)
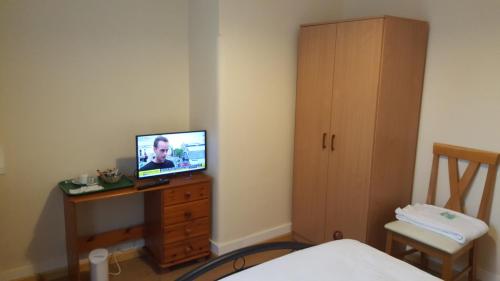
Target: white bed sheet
(337, 260)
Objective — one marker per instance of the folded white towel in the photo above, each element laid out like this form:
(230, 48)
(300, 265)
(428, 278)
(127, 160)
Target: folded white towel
(457, 226)
(85, 189)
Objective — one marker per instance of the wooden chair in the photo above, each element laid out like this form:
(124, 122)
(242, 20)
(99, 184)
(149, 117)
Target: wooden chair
(429, 243)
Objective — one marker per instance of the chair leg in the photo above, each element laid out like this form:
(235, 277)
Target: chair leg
(388, 243)
(472, 264)
(447, 274)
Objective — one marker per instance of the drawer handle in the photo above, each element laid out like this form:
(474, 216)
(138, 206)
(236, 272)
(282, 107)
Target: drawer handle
(188, 214)
(187, 230)
(337, 235)
(187, 195)
(188, 249)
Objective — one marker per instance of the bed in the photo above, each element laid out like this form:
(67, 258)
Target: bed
(336, 260)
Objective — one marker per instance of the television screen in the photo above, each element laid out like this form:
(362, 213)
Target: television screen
(170, 153)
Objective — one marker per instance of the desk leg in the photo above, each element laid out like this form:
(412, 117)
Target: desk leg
(71, 240)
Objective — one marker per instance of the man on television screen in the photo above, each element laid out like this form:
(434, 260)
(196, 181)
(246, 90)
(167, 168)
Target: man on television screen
(160, 161)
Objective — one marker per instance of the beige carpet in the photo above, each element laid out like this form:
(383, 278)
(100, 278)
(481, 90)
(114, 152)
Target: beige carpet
(140, 269)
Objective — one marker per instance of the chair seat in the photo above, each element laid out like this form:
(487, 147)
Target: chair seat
(425, 236)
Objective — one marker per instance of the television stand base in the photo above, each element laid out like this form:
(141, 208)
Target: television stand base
(158, 182)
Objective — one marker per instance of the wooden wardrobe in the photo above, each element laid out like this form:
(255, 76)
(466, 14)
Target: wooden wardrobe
(359, 86)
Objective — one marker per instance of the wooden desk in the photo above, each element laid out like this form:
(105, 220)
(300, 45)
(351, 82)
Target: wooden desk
(76, 245)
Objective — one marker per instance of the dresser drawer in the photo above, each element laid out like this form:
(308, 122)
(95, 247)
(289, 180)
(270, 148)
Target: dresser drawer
(186, 193)
(186, 212)
(186, 249)
(182, 231)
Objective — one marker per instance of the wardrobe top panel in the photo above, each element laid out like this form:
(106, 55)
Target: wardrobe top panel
(360, 19)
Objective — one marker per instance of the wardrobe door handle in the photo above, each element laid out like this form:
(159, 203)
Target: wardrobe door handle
(332, 146)
(324, 140)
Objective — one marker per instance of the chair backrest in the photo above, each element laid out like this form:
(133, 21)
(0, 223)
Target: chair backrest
(460, 186)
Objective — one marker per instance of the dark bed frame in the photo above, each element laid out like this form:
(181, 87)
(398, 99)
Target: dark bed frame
(236, 255)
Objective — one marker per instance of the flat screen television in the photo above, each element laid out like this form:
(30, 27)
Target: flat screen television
(170, 153)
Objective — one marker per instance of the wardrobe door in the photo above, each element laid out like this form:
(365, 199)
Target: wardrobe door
(312, 122)
(355, 83)
(396, 134)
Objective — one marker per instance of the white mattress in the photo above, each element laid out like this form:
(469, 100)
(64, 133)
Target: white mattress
(337, 260)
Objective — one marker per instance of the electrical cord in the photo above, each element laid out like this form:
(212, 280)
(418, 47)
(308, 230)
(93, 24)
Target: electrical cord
(117, 265)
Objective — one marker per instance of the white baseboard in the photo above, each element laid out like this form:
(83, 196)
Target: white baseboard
(17, 272)
(220, 248)
(484, 275)
(216, 248)
(481, 274)
(30, 270)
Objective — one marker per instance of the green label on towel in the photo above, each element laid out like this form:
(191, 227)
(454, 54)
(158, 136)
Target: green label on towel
(448, 215)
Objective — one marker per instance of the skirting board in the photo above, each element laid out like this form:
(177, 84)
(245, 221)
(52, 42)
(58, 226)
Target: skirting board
(216, 248)
(484, 275)
(254, 238)
(29, 273)
(481, 275)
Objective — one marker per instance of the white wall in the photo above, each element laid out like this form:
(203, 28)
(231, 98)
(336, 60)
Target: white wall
(203, 82)
(257, 50)
(78, 81)
(242, 89)
(257, 73)
(461, 93)
(63, 60)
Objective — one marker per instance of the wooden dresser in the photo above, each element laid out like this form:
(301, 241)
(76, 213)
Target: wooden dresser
(177, 220)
